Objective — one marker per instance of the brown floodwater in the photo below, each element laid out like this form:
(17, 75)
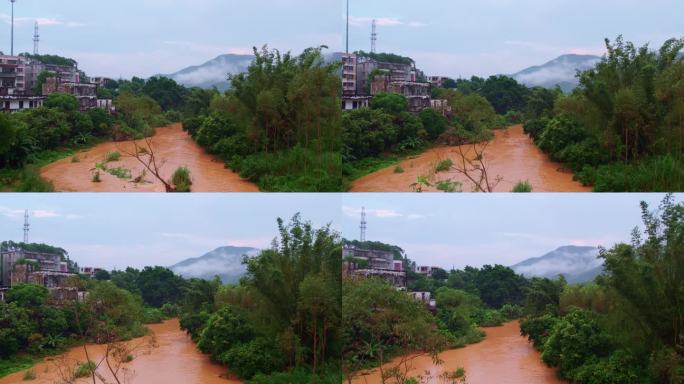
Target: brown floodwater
(511, 155)
(172, 147)
(175, 360)
(504, 357)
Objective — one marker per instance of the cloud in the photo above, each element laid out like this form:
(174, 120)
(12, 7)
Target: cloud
(37, 214)
(42, 21)
(381, 213)
(359, 21)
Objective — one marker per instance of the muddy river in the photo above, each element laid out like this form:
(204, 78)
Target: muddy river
(504, 357)
(511, 155)
(174, 360)
(172, 147)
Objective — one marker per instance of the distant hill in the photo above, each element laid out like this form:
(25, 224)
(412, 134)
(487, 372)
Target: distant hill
(213, 73)
(577, 264)
(225, 262)
(560, 71)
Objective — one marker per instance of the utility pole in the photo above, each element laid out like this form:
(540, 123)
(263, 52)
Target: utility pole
(12, 43)
(347, 50)
(374, 36)
(36, 39)
(26, 227)
(364, 224)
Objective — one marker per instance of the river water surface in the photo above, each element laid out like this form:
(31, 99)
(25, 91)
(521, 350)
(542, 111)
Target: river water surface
(175, 360)
(172, 147)
(504, 357)
(511, 155)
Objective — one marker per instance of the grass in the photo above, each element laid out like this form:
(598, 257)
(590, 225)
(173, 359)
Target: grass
(120, 172)
(16, 363)
(448, 186)
(96, 177)
(84, 369)
(398, 169)
(522, 187)
(181, 179)
(112, 156)
(29, 375)
(444, 165)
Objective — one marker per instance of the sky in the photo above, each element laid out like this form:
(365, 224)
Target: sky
(119, 230)
(454, 231)
(461, 38)
(124, 38)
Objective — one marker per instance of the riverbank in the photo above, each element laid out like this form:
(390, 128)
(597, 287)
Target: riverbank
(175, 360)
(172, 147)
(511, 155)
(503, 357)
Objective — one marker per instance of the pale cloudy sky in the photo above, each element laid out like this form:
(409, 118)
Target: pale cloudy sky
(120, 230)
(460, 38)
(450, 230)
(147, 37)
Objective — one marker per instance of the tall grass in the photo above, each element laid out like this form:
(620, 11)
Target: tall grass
(181, 180)
(522, 187)
(112, 156)
(444, 165)
(657, 174)
(293, 170)
(30, 181)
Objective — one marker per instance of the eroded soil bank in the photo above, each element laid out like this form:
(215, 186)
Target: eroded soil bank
(172, 147)
(174, 360)
(511, 155)
(504, 357)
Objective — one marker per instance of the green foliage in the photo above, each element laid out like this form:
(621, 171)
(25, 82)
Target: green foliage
(386, 57)
(27, 295)
(29, 375)
(522, 187)
(112, 156)
(279, 125)
(379, 321)
(51, 59)
(153, 316)
(259, 356)
(85, 369)
(444, 165)
(62, 101)
(181, 180)
(538, 329)
(390, 103)
(225, 328)
(297, 376)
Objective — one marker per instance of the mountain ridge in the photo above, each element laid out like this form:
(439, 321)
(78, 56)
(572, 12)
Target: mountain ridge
(224, 262)
(576, 263)
(560, 71)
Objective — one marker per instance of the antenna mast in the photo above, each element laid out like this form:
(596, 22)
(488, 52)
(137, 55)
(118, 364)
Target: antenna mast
(36, 39)
(364, 224)
(374, 36)
(12, 38)
(347, 51)
(26, 226)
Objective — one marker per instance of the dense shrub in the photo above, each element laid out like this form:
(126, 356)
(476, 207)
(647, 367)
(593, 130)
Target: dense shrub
(224, 329)
(261, 355)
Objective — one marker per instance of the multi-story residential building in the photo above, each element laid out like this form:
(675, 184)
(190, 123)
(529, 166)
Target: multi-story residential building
(88, 271)
(426, 270)
(349, 75)
(366, 263)
(100, 81)
(437, 81)
(24, 267)
(85, 93)
(367, 67)
(12, 76)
